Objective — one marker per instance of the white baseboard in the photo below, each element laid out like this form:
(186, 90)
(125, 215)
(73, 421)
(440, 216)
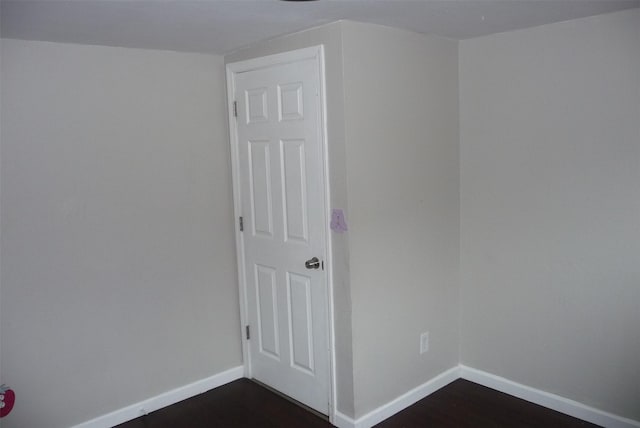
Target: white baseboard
(405, 400)
(542, 398)
(163, 400)
(546, 399)
(342, 421)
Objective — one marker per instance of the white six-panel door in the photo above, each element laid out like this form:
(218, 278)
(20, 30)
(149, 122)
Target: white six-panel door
(281, 186)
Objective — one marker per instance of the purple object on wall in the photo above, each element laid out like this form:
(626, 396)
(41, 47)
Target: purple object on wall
(338, 223)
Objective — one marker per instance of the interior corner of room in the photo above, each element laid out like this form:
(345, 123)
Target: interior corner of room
(491, 188)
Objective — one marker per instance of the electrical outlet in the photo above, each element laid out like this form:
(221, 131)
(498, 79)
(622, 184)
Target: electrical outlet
(424, 342)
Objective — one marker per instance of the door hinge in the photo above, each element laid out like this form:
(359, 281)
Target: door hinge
(248, 332)
(241, 221)
(235, 109)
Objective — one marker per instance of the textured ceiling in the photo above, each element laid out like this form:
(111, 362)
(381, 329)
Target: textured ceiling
(220, 26)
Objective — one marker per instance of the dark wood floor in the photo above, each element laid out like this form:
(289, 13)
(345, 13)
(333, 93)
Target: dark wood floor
(464, 404)
(461, 404)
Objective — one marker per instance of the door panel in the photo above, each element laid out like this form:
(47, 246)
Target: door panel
(261, 201)
(300, 322)
(282, 192)
(294, 176)
(267, 311)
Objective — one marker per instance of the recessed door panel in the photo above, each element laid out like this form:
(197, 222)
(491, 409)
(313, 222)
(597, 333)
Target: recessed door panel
(291, 106)
(300, 322)
(260, 183)
(267, 311)
(294, 185)
(257, 106)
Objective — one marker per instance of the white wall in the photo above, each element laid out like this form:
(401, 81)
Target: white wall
(118, 274)
(401, 121)
(118, 270)
(550, 208)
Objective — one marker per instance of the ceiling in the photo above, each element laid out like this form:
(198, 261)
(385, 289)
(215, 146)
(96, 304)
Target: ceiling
(221, 26)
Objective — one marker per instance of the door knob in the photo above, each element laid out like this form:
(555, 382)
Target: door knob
(312, 263)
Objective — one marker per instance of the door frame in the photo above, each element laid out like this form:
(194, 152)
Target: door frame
(316, 53)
